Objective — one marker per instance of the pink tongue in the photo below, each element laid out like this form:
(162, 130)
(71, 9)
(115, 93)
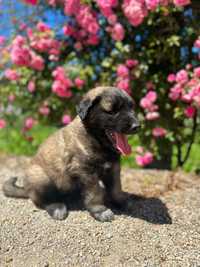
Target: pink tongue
(122, 144)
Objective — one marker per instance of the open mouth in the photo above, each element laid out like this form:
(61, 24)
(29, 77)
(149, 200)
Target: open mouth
(120, 142)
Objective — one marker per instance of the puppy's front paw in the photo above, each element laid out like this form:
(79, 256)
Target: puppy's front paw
(58, 211)
(104, 216)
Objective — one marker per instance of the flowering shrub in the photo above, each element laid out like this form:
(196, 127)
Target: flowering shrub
(132, 44)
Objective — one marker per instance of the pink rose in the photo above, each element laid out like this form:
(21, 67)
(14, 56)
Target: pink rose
(32, 2)
(135, 11)
(12, 75)
(61, 89)
(79, 82)
(29, 123)
(182, 77)
(190, 111)
(118, 32)
(22, 26)
(37, 62)
(20, 56)
(152, 4)
(2, 40)
(93, 39)
(42, 27)
(11, 98)
(44, 110)
(145, 103)
(122, 71)
(150, 86)
(188, 66)
(159, 132)
(181, 2)
(175, 92)
(131, 63)
(197, 43)
(71, 7)
(19, 41)
(150, 116)
(93, 28)
(144, 160)
(112, 19)
(140, 149)
(2, 123)
(187, 97)
(124, 84)
(164, 2)
(68, 30)
(171, 78)
(66, 119)
(197, 72)
(31, 86)
(151, 96)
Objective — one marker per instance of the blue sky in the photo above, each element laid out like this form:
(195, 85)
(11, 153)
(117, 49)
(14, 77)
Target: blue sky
(10, 9)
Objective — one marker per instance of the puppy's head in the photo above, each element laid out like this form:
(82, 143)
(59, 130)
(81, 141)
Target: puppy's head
(110, 110)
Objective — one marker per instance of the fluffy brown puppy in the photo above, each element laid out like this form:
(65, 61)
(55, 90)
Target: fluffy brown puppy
(86, 152)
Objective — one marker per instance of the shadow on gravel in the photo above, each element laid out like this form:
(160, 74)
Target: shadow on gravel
(151, 209)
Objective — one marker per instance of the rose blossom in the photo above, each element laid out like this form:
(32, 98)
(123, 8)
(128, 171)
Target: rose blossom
(66, 119)
(197, 43)
(118, 32)
(135, 11)
(20, 56)
(140, 149)
(31, 86)
(28, 124)
(182, 77)
(11, 98)
(181, 2)
(152, 116)
(42, 27)
(32, 2)
(197, 72)
(124, 84)
(175, 92)
(2, 40)
(152, 4)
(122, 70)
(79, 82)
(159, 132)
(171, 78)
(12, 75)
(44, 110)
(2, 123)
(190, 111)
(37, 62)
(144, 160)
(131, 63)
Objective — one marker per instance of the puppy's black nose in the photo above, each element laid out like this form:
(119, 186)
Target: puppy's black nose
(135, 127)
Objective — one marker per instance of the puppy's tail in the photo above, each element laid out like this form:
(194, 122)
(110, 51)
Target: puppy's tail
(10, 189)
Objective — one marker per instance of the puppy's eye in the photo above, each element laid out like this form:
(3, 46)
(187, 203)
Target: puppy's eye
(115, 109)
(131, 105)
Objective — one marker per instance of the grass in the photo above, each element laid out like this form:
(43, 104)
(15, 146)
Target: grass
(13, 142)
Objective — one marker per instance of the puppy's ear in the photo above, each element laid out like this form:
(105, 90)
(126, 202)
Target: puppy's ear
(85, 106)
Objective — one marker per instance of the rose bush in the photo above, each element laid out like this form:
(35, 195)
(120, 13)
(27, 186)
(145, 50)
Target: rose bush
(142, 46)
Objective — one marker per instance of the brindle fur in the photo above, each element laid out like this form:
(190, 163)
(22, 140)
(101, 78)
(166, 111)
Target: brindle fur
(80, 153)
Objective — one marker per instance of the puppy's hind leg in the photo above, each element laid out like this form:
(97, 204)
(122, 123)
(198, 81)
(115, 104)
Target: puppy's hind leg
(44, 194)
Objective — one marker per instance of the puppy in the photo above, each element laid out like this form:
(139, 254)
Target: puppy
(86, 152)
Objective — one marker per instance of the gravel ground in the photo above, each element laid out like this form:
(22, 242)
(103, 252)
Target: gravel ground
(162, 230)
